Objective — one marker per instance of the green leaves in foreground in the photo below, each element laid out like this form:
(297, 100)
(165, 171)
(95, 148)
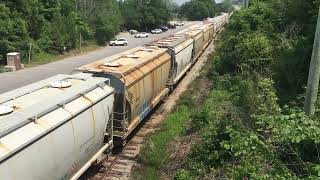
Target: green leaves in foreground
(229, 148)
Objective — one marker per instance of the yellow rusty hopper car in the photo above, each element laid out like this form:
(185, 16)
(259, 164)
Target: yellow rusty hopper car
(208, 32)
(181, 49)
(139, 77)
(211, 30)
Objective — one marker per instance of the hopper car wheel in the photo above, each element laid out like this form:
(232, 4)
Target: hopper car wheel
(119, 143)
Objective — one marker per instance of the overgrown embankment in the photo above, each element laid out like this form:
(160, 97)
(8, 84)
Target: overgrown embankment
(251, 124)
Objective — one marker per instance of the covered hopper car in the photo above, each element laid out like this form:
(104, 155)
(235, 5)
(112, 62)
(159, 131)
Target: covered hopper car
(55, 128)
(139, 77)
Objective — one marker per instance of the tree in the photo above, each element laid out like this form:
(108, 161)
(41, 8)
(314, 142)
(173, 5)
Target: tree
(144, 15)
(198, 9)
(225, 6)
(106, 20)
(13, 32)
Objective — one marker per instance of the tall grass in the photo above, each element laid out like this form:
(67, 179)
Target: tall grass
(154, 153)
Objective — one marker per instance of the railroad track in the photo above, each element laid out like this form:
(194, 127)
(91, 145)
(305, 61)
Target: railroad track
(119, 165)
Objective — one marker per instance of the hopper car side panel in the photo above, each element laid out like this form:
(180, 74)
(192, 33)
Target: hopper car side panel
(180, 47)
(206, 36)
(183, 62)
(199, 44)
(211, 31)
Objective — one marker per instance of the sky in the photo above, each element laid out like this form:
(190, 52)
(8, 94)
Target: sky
(179, 2)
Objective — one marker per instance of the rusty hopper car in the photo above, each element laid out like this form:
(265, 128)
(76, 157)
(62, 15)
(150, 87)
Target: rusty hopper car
(55, 128)
(208, 30)
(211, 30)
(181, 49)
(198, 41)
(206, 33)
(139, 77)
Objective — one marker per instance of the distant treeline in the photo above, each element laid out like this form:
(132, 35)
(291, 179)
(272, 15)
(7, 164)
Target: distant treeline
(201, 9)
(53, 26)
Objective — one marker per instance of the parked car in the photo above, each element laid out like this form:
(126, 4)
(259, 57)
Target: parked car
(156, 31)
(164, 28)
(141, 35)
(171, 26)
(119, 42)
(179, 23)
(132, 31)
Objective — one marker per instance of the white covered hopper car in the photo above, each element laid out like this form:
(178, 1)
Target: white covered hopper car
(54, 129)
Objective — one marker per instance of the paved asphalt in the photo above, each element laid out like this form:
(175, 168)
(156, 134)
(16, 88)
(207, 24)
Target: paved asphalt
(12, 80)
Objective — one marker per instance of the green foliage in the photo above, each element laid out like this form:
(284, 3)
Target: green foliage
(261, 61)
(182, 175)
(13, 32)
(256, 95)
(273, 38)
(226, 6)
(55, 26)
(106, 20)
(227, 139)
(198, 9)
(144, 15)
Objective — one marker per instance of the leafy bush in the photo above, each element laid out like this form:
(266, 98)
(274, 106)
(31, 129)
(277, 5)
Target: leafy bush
(229, 144)
(246, 130)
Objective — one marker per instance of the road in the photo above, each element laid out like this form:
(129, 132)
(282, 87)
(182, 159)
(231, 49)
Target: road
(13, 80)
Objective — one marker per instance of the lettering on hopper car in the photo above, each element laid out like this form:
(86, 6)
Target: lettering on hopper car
(128, 98)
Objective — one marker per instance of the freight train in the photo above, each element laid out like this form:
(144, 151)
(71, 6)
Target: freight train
(57, 128)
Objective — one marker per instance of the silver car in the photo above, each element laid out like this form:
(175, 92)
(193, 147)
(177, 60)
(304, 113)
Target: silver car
(156, 31)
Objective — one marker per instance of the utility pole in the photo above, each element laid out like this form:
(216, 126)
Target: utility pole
(314, 72)
(30, 49)
(80, 43)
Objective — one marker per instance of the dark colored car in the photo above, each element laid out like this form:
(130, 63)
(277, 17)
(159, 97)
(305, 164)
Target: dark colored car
(164, 28)
(171, 26)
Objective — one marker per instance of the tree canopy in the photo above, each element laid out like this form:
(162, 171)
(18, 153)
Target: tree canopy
(201, 9)
(144, 15)
(53, 26)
